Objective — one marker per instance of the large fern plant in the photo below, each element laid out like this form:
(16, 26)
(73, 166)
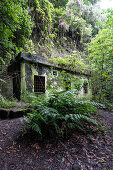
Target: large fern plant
(59, 115)
(49, 122)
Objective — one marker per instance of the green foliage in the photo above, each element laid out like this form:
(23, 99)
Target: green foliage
(59, 115)
(42, 12)
(56, 24)
(71, 62)
(90, 1)
(59, 3)
(85, 84)
(5, 103)
(101, 60)
(52, 123)
(65, 103)
(2, 81)
(28, 97)
(15, 27)
(108, 105)
(63, 80)
(82, 20)
(63, 23)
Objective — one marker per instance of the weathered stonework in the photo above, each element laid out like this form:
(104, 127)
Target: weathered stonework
(52, 77)
(23, 83)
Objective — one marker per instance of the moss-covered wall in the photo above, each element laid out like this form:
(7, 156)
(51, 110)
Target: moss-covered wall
(56, 82)
(28, 71)
(23, 82)
(6, 87)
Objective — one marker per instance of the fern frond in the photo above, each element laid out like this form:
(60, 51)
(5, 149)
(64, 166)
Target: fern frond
(36, 128)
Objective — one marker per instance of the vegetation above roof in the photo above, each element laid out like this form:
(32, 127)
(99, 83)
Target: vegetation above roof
(69, 64)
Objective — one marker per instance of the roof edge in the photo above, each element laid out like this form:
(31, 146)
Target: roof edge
(41, 60)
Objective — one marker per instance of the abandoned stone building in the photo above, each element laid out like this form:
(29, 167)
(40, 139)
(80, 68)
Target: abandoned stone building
(36, 74)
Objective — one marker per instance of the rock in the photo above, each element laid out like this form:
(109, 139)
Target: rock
(16, 114)
(4, 114)
(11, 114)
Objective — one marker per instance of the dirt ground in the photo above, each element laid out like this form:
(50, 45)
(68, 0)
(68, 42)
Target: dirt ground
(25, 152)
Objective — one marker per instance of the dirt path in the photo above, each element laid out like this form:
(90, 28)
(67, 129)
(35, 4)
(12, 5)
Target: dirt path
(19, 152)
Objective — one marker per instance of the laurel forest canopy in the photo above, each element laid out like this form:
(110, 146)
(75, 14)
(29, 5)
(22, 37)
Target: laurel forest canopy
(101, 60)
(15, 27)
(74, 31)
(47, 23)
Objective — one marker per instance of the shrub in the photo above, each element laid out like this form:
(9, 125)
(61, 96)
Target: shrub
(59, 115)
(33, 100)
(108, 105)
(28, 97)
(5, 103)
(65, 103)
(51, 123)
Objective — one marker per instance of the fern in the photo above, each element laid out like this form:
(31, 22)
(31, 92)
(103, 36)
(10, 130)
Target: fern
(60, 114)
(36, 128)
(52, 123)
(5, 103)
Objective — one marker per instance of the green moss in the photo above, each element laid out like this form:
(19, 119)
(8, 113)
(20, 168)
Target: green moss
(23, 83)
(7, 104)
(23, 108)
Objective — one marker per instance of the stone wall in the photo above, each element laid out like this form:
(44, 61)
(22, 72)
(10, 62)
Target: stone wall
(55, 79)
(6, 86)
(56, 82)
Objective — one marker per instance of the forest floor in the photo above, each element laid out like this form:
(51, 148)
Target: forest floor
(24, 152)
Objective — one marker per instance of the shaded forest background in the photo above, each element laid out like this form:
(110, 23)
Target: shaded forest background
(74, 33)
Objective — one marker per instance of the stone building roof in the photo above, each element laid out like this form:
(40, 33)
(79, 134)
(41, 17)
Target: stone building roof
(22, 56)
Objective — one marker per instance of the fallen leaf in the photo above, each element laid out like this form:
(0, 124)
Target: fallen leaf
(36, 146)
(68, 164)
(48, 146)
(50, 160)
(102, 159)
(107, 142)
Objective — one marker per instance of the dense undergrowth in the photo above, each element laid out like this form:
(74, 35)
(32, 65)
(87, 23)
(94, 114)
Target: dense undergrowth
(6, 103)
(59, 114)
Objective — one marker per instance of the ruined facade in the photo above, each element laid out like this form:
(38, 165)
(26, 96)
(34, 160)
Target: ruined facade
(37, 75)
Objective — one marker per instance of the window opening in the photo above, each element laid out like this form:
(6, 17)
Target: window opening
(39, 84)
(55, 72)
(68, 85)
(85, 86)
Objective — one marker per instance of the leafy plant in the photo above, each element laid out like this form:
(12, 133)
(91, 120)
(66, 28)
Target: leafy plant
(85, 84)
(101, 61)
(50, 123)
(108, 105)
(5, 103)
(65, 103)
(28, 97)
(59, 115)
(15, 27)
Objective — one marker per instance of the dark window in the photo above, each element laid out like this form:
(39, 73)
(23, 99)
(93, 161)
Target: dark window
(68, 85)
(85, 86)
(54, 72)
(39, 84)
